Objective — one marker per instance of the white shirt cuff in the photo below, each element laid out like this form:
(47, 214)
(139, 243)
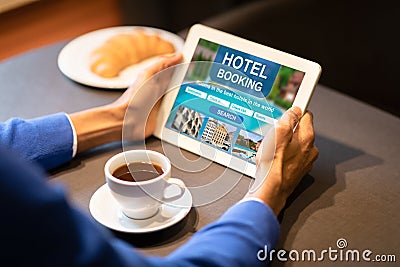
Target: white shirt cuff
(75, 142)
(252, 199)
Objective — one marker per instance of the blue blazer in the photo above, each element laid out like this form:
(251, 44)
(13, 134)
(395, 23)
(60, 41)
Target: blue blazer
(39, 227)
(46, 141)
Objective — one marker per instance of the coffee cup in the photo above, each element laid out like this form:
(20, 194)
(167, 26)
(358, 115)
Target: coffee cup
(140, 181)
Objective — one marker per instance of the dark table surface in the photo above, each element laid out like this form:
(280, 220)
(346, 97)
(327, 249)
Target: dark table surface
(352, 192)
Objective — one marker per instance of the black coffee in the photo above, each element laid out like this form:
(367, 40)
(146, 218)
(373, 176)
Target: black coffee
(138, 171)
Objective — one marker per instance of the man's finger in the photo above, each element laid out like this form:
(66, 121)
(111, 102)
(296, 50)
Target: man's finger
(146, 74)
(285, 126)
(163, 63)
(291, 117)
(170, 60)
(305, 129)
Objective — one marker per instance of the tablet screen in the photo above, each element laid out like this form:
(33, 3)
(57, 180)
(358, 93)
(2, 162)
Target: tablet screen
(230, 100)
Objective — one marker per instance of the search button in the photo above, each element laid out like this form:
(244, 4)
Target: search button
(226, 114)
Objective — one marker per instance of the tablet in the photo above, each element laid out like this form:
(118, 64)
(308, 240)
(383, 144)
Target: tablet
(228, 95)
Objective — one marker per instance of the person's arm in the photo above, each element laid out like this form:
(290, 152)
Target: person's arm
(104, 124)
(249, 230)
(49, 140)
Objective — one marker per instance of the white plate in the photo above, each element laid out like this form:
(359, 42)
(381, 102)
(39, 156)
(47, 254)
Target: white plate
(73, 59)
(106, 211)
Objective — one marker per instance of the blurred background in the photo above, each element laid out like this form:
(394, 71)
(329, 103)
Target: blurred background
(354, 41)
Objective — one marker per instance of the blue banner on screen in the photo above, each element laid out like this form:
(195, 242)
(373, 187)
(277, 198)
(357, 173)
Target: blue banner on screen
(247, 73)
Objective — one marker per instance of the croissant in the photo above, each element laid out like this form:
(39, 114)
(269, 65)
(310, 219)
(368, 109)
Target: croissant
(125, 49)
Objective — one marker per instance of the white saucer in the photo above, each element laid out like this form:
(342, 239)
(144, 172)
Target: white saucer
(73, 59)
(106, 211)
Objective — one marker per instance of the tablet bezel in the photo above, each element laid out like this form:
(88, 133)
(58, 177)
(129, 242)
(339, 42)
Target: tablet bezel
(311, 69)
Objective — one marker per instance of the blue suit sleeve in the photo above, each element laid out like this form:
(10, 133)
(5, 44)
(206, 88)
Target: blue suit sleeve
(234, 240)
(47, 140)
(39, 222)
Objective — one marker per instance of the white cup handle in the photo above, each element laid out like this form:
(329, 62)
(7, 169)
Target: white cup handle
(177, 183)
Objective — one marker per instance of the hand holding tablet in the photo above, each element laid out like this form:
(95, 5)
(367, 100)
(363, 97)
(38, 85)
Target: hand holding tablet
(228, 94)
